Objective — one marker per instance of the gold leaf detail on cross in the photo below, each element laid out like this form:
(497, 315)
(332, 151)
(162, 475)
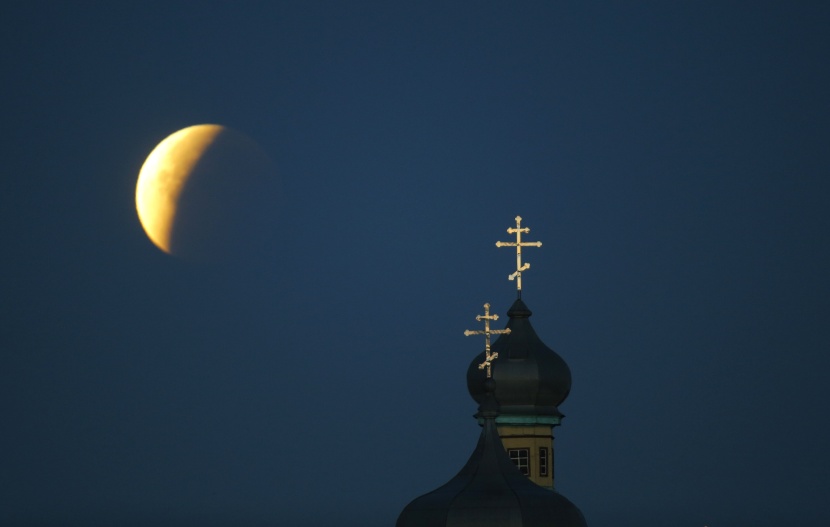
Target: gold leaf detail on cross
(489, 356)
(518, 244)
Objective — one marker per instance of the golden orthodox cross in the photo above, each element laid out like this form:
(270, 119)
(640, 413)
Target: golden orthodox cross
(518, 244)
(489, 357)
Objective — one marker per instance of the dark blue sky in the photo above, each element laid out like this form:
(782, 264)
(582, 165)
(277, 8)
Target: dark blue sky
(672, 157)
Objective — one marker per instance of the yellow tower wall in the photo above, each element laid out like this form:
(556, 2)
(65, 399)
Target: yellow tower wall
(533, 438)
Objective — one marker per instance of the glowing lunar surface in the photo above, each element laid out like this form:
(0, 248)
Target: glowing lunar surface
(205, 192)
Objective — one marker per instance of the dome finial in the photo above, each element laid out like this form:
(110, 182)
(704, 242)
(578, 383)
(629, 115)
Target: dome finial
(518, 244)
(489, 357)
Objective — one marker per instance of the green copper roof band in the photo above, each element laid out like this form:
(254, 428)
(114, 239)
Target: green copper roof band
(527, 420)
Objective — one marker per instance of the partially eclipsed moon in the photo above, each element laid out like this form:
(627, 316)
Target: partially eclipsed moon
(163, 177)
(203, 190)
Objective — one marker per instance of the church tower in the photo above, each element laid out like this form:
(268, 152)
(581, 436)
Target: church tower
(532, 381)
(508, 480)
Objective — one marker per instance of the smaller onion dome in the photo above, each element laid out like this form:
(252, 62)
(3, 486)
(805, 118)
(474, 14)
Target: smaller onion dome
(532, 379)
(490, 491)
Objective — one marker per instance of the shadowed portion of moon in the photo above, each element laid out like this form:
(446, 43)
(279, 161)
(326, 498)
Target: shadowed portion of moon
(225, 201)
(225, 206)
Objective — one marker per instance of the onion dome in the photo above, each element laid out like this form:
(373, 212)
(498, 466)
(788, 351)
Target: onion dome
(490, 491)
(532, 380)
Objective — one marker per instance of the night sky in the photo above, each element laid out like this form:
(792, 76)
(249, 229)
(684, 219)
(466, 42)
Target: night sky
(673, 158)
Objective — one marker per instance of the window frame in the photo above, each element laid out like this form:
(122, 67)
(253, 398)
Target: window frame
(517, 455)
(544, 462)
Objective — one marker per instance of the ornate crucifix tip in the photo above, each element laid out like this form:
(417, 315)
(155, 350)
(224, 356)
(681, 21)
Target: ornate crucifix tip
(518, 244)
(489, 357)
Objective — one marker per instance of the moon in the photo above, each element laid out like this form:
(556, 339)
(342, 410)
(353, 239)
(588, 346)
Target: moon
(205, 193)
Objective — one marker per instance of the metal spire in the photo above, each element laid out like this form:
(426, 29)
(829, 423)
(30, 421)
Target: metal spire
(518, 244)
(489, 357)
